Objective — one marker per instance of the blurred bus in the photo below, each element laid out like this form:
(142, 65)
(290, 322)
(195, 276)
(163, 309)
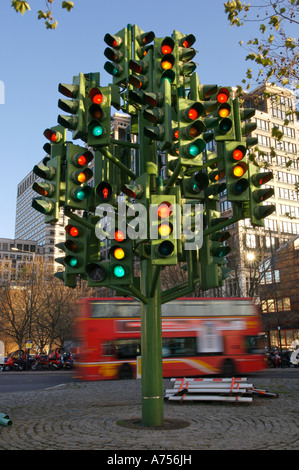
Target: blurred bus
(200, 336)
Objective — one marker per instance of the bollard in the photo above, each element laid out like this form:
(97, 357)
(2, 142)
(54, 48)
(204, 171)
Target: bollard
(4, 420)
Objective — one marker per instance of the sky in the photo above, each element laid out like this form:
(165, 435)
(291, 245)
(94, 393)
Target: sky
(34, 60)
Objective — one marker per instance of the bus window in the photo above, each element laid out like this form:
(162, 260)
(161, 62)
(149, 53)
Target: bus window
(122, 348)
(255, 344)
(179, 347)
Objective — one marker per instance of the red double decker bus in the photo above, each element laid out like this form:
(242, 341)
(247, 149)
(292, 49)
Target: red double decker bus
(200, 337)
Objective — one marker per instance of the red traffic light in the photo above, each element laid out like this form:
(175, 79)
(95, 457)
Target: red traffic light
(262, 178)
(193, 112)
(167, 45)
(145, 38)
(239, 153)
(96, 95)
(113, 41)
(72, 230)
(188, 41)
(164, 210)
(82, 159)
(52, 135)
(119, 236)
(223, 95)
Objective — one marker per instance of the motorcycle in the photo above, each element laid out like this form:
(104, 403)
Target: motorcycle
(60, 359)
(40, 362)
(274, 359)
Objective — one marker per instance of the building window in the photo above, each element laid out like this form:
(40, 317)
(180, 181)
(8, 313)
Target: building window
(264, 140)
(262, 124)
(250, 240)
(269, 305)
(267, 274)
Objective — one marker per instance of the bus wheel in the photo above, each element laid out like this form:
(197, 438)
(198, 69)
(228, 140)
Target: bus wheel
(125, 372)
(228, 368)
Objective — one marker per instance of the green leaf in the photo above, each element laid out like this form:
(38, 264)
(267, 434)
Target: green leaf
(262, 28)
(67, 5)
(20, 6)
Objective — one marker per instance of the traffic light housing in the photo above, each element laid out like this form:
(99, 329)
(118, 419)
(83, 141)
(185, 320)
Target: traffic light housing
(78, 174)
(118, 55)
(75, 105)
(163, 230)
(213, 251)
(75, 247)
(220, 113)
(190, 130)
(99, 116)
(121, 258)
(194, 186)
(141, 78)
(185, 53)
(51, 170)
(97, 270)
(216, 175)
(164, 62)
(158, 113)
(236, 170)
(258, 211)
(141, 42)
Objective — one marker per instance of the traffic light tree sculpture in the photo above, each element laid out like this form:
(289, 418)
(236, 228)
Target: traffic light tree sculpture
(174, 117)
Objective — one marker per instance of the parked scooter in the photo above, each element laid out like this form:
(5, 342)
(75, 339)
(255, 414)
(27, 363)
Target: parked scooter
(41, 362)
(274, 359)
(60, 359)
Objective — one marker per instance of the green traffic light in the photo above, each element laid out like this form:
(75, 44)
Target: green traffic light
(118, 271)
(97, 131)
(73, 262)
(80, 195)
(193, 150)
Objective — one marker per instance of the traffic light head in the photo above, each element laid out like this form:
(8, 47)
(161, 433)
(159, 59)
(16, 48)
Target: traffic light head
(117, 54)
(121, 258)
(190, 130)
(236, 171)
(99, 116)
(164, 62)
(76, 121)
(54, 135)
(219, 111)
(163, 230)
(141, 42)
(258, 195)
(51, 191)
(75, 248)
(78, 175)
